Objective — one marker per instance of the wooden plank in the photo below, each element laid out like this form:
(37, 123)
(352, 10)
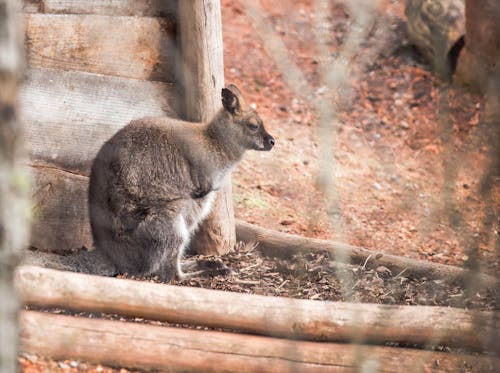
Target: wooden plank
(132, 47)
(176, 349)
(60, 215)
(271, 316)
(151, 8)
(200, 31)
(69, 115)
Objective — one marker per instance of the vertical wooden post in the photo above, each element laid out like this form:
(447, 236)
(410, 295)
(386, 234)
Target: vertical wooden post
(13, 183)
(202, 70)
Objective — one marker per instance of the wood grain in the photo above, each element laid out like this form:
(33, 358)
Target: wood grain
(272, 316)
(175, 349)
(69, 115)
(155, 8)
(60, 212)
(132, 47)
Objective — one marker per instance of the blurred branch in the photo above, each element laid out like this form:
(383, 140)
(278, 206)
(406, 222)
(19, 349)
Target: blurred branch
(14, 184)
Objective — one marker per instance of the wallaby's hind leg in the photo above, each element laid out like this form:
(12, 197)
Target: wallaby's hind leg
(147, 244)
(194, 267)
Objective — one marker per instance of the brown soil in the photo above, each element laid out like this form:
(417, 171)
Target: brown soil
(410, 157)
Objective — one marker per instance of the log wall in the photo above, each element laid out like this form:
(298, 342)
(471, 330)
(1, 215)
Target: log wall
(92, 67)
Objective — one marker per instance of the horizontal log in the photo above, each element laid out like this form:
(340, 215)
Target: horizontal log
(152, 8)
(69, 115)
(131, 47)
(274, 316)
(142, 346)
(280, 244)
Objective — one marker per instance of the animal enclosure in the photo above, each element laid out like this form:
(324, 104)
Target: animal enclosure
(95, 65)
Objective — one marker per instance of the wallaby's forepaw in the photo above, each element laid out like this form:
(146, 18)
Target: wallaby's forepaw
(200, 193)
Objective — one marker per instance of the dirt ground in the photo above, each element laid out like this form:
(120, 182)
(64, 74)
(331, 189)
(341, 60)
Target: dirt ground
(410, 156)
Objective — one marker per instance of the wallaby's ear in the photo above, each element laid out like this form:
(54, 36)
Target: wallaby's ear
(232, 99)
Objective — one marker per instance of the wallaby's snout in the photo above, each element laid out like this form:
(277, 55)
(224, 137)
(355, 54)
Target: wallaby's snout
(268, 142)
(252, 135)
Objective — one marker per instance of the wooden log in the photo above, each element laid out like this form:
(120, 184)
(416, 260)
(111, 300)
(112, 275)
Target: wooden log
(151, 8)
(142, 346)
(437, 28)
(132, 47)
(284, 245)
(202, 76)
(69, 115)
(274, 316)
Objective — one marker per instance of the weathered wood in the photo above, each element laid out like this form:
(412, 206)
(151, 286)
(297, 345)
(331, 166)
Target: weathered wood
(69, 115)
(13, 181)
(60, 212)
(274, 316)
(175, 349)
(284, 245)
(202, 75)
(152, 8)
(132, 47)
(437, 28)
(200, 33)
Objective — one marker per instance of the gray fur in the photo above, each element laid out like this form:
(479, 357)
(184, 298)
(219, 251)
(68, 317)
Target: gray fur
(151, 184)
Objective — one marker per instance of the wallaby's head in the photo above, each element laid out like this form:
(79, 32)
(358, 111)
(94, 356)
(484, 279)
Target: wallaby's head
(248, 128)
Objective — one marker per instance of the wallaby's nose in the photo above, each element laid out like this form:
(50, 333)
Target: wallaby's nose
(269, 142)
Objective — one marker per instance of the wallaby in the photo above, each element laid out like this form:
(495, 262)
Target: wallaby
(152, 184)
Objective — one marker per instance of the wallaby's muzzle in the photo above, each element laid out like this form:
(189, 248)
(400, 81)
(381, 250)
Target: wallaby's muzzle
(268, 142)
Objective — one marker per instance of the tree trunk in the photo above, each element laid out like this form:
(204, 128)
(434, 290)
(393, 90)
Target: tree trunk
(14, 183)
(186, 350)
(437, 27)
(479, 64)
(202, 71)
(273, 316)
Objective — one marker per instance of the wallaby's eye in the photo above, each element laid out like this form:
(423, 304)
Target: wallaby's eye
(253, 127)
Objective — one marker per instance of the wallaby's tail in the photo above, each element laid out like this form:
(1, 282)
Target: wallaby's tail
(84, 261)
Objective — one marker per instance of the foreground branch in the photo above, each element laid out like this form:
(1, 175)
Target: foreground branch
(176, 349)
(283, 317)
(285, 245)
